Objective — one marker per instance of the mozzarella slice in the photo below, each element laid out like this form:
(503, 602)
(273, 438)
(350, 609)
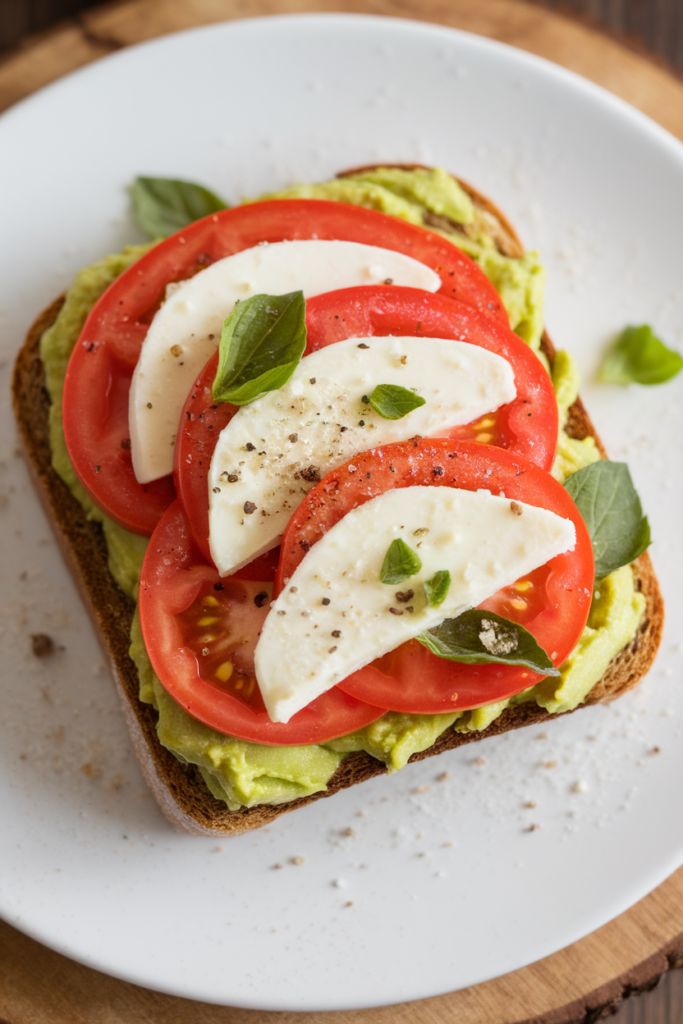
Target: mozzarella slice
(273, 451)
(186, 330)
(334, 615)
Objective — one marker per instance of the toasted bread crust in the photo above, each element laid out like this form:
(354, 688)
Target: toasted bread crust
(179, 789)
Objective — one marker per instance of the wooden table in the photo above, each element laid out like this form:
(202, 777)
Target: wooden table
(588, 980)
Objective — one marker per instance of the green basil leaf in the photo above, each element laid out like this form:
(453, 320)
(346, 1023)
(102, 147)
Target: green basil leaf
(478, 636)
(162, 206)
(437, 588)
(400, 563)
(261, 345)
(394, 402)
(609, 504)
(640, 357)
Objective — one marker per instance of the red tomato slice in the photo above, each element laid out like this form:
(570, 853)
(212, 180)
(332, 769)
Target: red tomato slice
(552, 603)
(527, 426)
(200, 633)
(101, 366)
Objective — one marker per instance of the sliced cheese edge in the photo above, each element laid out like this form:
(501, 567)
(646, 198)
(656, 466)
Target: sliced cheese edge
(273, 451)
(186, 331)
(334, 615)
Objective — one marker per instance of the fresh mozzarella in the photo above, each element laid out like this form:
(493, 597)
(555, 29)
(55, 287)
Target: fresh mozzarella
(273, 451)
(336, 615)
(186, 330)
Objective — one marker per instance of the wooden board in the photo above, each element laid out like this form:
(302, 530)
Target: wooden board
(589, 979)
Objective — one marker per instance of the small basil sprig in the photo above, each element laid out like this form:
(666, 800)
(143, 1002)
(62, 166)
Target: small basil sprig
(437, 588)
(478, 636)
(394, 402)
(400, 563)
(262, 342)
(609, 504)
(162, 206)
(641, 358)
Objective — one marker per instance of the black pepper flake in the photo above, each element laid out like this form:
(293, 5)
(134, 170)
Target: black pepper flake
(336, 633)
(125, 444)
(97, 469)
(365, 400)
(312, 380)
(388, 280)
(214, 407)
(332, 650)
(210, 426)
(325, 600)
(392, 469)
(218, 586)
(310, 474)
(42, 645)
(304, 545)
(216, 490)
(250, 447)
(342, 429)
(232, 478)
(437, 471)
(149, 405)
(361, 423)
(367, 476)
(260, 599)
(293, 438)
(410, 608)
(363, 345)
(249, 507)
(396, 611)
(403, 596)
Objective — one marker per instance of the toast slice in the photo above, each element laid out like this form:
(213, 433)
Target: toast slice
(178, 788)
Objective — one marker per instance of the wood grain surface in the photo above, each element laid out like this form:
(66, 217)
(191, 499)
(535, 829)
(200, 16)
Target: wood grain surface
(590, 979)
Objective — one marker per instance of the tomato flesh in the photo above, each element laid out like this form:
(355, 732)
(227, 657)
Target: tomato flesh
(208, 666)
(100, 370)
(528, 425)
(552, 602)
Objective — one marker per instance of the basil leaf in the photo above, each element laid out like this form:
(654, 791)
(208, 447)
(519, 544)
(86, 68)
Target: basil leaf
(400, 563)
(394, 402)
(437, 588)
(640, 357)
(261, 345)
(478, 636)
(609, 504)
(162, 206)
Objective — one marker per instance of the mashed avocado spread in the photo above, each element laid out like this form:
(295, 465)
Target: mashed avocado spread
(246, 774)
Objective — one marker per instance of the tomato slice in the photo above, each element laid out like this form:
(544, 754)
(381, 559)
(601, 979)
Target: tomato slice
(101, 366)
(552, 602)
(200, 633)
(527, 426)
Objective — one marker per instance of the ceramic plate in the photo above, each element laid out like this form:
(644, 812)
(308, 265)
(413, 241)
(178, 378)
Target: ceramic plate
(419, 883)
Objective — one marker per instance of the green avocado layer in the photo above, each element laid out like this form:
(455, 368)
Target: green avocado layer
(246, 774)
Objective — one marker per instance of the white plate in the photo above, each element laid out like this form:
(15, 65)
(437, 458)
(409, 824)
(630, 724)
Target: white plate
(441, 884)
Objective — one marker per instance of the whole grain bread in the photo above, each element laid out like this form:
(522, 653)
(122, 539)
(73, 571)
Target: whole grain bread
(178, 788)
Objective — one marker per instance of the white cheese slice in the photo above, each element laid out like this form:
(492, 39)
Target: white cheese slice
(186, 330)
(272, 452)
(334, 615)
